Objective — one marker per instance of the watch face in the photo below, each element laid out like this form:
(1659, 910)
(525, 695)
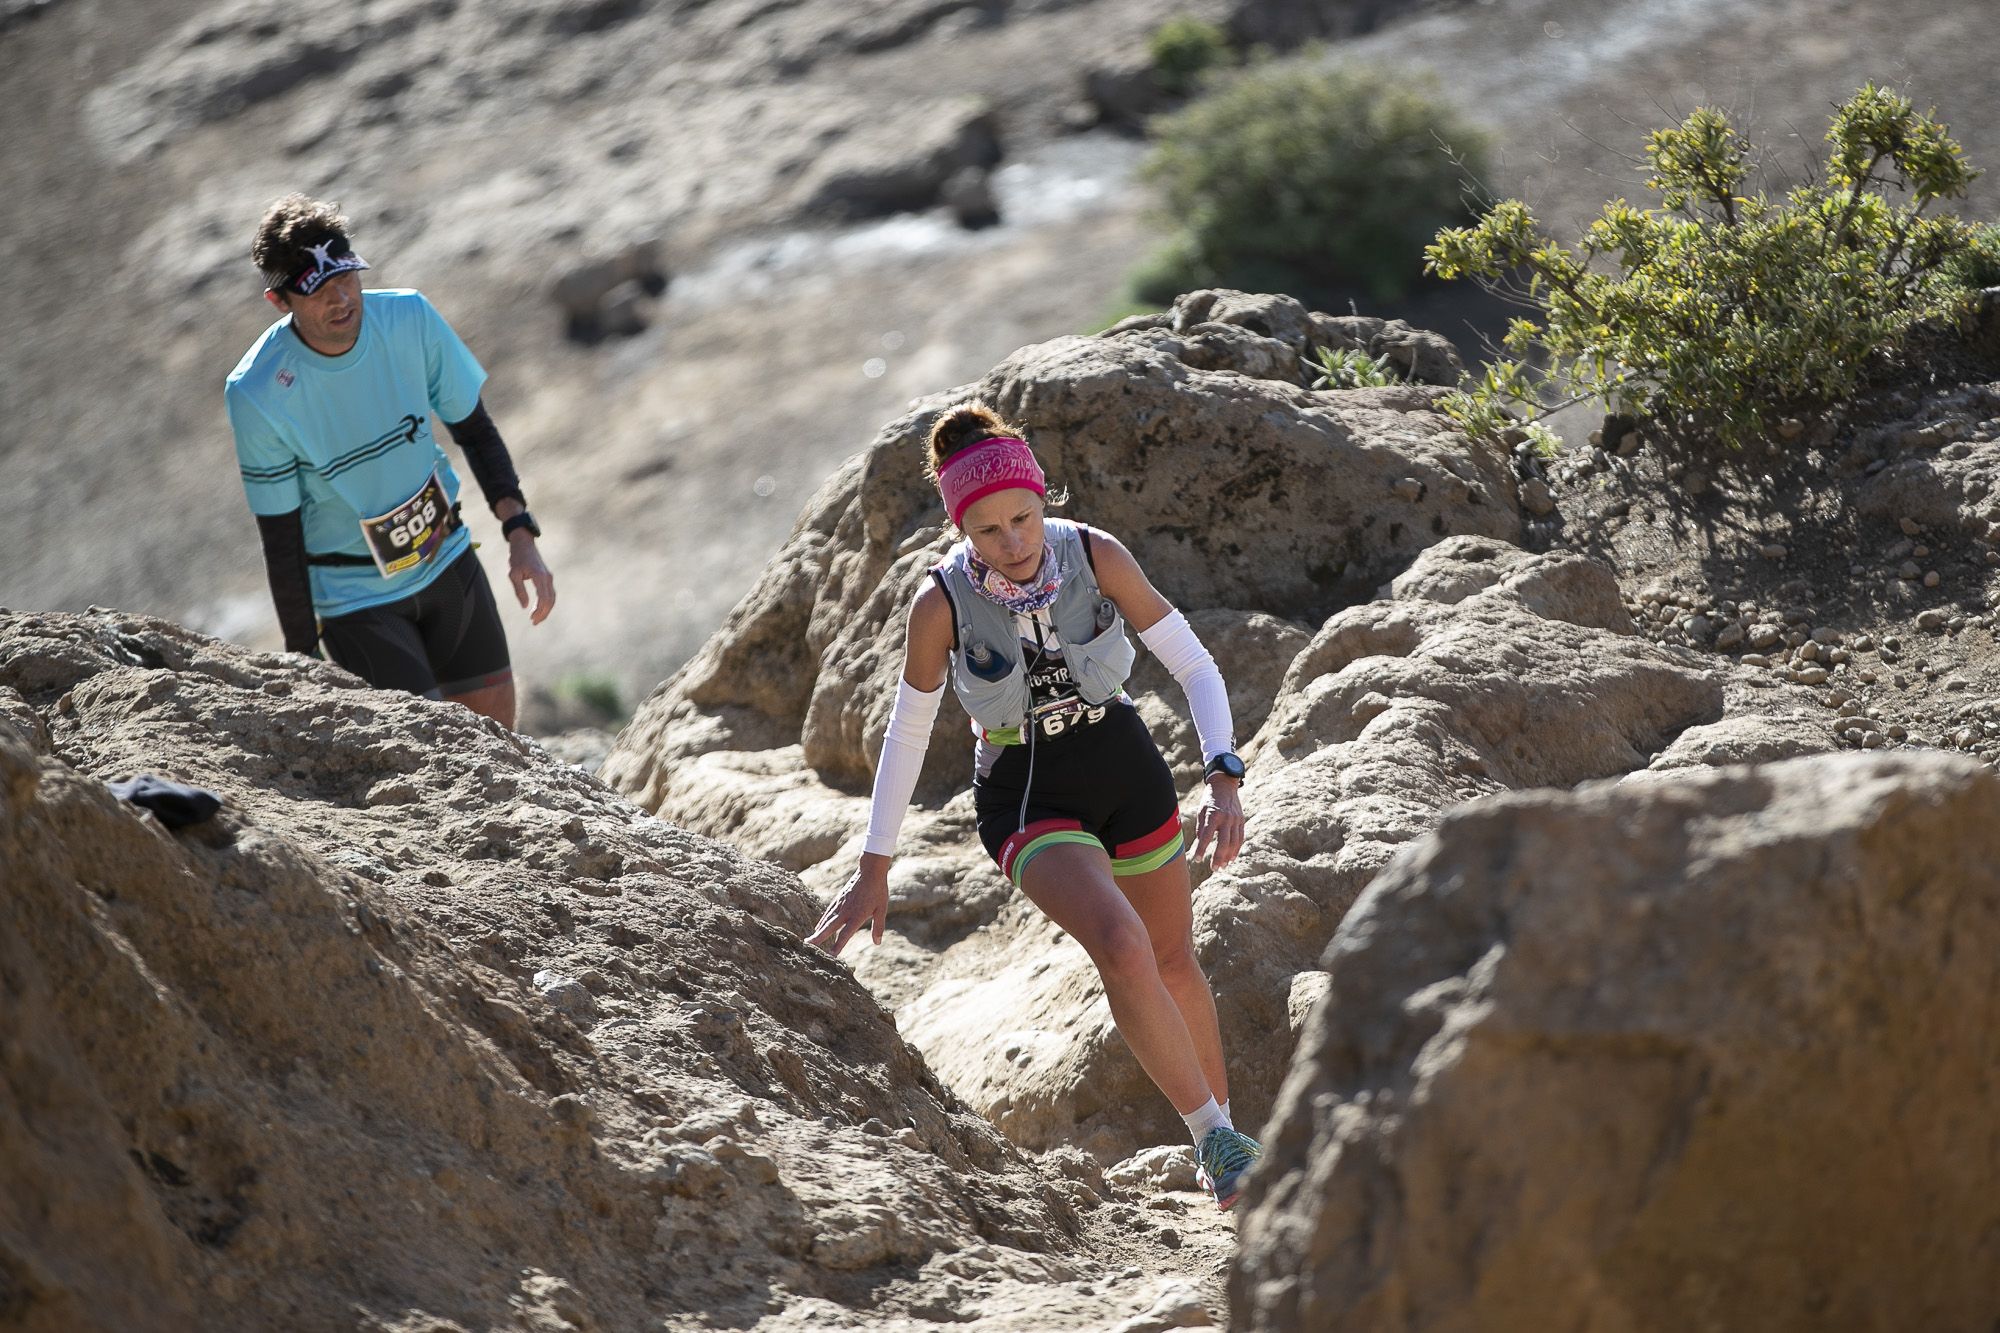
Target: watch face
(1228, 765)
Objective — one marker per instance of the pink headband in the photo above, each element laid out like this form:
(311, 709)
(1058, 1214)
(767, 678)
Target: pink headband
(1000, 463)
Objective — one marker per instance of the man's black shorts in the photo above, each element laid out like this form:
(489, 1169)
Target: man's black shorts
(442, 641)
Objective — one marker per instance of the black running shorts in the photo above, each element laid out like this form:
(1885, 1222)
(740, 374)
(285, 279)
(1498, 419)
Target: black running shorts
(1104, 784)
(442, 641)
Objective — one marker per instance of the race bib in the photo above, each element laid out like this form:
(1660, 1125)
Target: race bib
(1055, 718)
(1059, 707)
(412, 532)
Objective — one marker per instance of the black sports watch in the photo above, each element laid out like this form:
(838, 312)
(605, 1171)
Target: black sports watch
(524, 519)
(1226, 764)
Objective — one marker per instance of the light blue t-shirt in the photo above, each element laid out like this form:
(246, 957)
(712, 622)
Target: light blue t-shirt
(348, 437)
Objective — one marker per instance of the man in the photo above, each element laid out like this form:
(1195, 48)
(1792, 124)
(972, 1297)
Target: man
(355, 501)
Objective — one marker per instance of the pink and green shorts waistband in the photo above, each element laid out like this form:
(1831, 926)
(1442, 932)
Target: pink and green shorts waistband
(1135, 857)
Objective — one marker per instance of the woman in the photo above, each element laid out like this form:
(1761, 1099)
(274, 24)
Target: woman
(1026, 616)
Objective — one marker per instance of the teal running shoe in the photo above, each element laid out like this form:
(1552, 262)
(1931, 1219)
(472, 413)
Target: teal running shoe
(1223, 1160)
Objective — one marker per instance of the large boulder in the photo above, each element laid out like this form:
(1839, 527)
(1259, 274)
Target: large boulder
(1190, 436)
(1259, 503)
(427, 1029)
(1707, 1052)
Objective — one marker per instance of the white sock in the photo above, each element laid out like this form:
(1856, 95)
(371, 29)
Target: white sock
(1203, 1118)
(1227, 1118)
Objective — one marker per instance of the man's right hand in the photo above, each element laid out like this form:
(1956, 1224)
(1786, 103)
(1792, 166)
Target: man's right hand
(863, 901)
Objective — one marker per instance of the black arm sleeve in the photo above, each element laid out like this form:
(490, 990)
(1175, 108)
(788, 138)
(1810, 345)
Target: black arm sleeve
(291, 587)
(486, 452)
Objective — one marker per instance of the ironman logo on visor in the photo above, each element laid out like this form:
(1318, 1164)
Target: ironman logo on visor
(328, 258)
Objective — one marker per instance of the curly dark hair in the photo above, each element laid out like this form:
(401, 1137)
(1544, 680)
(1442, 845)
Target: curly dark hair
(289, 229)
(962, 427)
(967, 424)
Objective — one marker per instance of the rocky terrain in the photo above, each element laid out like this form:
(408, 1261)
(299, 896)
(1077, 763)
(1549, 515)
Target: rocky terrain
(428, 1029)
(1661, 1055)
(1464, 663)
(1613, 942)
(1855, 554)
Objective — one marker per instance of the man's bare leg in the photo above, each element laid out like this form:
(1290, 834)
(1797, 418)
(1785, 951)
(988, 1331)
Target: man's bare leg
(494, 701)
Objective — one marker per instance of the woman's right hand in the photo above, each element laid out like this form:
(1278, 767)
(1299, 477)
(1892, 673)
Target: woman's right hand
(864, 900)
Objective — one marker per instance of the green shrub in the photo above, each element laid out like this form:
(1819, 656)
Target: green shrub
(1718, 310)
(1171, 269)
(1979, 265)
(1185, 50)
(599, 693)
(1352, 368)
(1309, 180)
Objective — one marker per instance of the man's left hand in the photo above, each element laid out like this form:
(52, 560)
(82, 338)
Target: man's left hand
(525, 566)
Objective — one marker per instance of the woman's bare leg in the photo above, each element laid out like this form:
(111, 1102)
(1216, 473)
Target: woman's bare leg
(1163, 899)
(1073, 886)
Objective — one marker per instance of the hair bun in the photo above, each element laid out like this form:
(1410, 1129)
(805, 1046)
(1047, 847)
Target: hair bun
(959, 427)
(970, 414)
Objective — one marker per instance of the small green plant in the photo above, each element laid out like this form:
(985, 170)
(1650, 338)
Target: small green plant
(599, 693)
(1545, 442)
(1979, 265)
(1352, 368)
(1306, 179)
(1185, 51)
(1716, 310)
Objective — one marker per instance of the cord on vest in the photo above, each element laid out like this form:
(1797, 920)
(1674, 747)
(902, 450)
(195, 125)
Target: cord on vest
(1028, 720)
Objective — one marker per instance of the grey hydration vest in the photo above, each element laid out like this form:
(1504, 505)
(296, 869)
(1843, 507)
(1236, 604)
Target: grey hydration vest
(987, 672)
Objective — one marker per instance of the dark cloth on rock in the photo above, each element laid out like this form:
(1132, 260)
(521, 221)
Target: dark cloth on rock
(174, 804)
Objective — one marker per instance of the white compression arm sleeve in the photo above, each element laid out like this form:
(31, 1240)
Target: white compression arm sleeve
(1173, 641)
(903, 747)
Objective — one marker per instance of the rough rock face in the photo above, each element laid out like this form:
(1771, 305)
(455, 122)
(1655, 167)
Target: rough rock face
(1708, 1052)
(1937, 473)
(426, 1029)
(1745, 737)
(1191, 438)
(1481, 669)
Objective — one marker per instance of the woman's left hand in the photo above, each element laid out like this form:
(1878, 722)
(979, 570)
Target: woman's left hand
(1218, 826)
